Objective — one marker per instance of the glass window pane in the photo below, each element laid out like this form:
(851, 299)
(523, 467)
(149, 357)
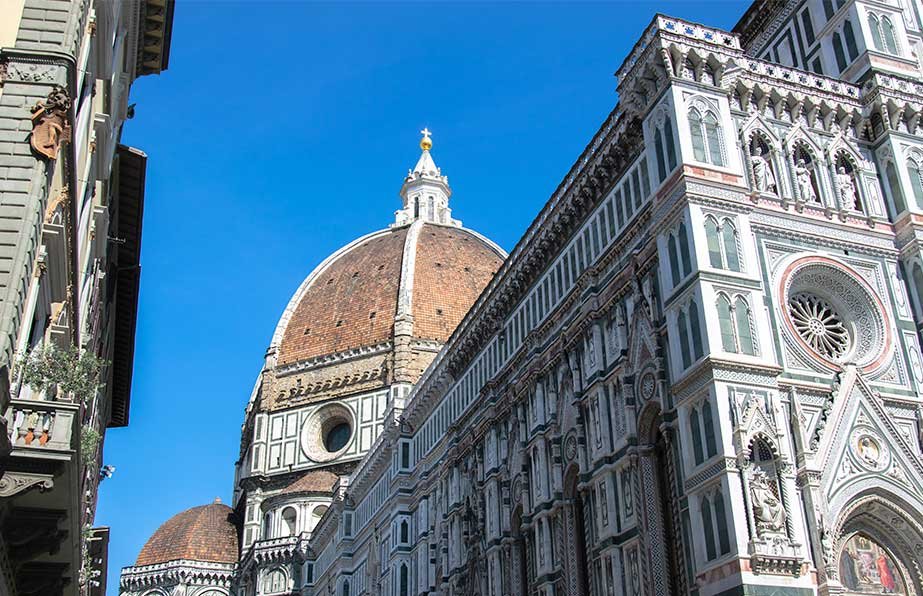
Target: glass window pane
(658, 149)
(838, 52)
(713, 133)
(671, 148)
(850, 40)
(705, 507)
(714, 246)
(698, 141)
(696, 432)
(728, 340)
(876, 33)
(890, 35)
(674, 261)
(711, 447)
(683, 240)
(744, 331)
(729, 237)
(721, 521)
(695, 330)
(683, 340)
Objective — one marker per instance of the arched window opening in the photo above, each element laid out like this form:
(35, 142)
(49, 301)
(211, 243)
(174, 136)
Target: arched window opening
(696, 433)
(714, 245)
(721, 523)
(274, 581)
(850, 36)
(674, 260)
(713, 138)
(405, 532)
(889, 34)
(317, 514)
(708, 428)
(709, 530)
(405, 580)
(705, 132)
(894, 189)
(683, 339)
(671, 147)
(267, 526)
(918, 286)
(875, 28)
(838, 52)
(744, 326)
(345, 590)
(289, 521)
(726, 323)
(731, 250)
(695, 331)
(683, 239)
(915, 171)
(658, 149)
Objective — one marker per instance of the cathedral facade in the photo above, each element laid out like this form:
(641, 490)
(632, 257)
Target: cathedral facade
(699, 371)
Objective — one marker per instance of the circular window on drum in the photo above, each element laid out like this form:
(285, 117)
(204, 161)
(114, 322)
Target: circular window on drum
(833, 313)
(327, 433)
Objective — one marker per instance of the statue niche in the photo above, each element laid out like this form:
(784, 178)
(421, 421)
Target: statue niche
(764, 177)
(806, 176)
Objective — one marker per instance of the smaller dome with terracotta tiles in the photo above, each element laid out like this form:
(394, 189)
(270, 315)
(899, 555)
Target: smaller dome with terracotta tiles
(204, 533)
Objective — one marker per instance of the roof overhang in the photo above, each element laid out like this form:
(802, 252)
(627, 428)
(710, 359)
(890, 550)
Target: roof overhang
(127, 214)
(154, 35)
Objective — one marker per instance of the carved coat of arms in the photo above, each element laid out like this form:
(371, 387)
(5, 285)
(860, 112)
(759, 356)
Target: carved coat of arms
(49, 123)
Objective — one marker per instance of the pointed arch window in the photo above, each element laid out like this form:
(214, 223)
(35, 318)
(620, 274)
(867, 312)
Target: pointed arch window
(875, 28)
(671, 147)
(683, 239)
(723, 246)
(715, 258)
(674, 260)
(889, 34)
(915, 171)
(702, 429)
(850, 37)
(744, 326)
(685, 352)
(726, 323)
(695, 330)
(705, 132)
(405, 580)
(661, 160)
(918, 285)
(838, 52)
(894, 188)
(714, 525)
(736, 324)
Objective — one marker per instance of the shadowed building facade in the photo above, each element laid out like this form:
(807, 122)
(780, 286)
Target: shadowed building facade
(698, 372)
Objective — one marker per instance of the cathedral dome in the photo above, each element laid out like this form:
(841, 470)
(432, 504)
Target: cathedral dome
(203, 533)
(429, 271)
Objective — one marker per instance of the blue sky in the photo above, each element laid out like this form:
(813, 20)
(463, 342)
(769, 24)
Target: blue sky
(282, 131)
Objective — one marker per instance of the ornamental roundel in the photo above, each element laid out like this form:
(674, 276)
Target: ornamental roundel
(833, 315)
(869, 450)
(328, 432)
(570, 448)
(646, 386)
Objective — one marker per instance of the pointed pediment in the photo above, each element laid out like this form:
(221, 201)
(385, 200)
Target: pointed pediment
(864, 448)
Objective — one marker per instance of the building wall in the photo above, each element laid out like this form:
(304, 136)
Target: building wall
(630, 408)
(67, 187)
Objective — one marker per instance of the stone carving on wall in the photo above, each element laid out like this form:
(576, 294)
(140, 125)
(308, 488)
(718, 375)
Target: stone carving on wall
(768, 512)
(49, 123)
(803, 177)
(763, 178)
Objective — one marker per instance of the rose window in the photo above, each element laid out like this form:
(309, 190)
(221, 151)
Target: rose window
(833, 315)
(819, 324)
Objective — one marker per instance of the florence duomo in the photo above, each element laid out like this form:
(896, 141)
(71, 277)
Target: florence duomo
(698, 372)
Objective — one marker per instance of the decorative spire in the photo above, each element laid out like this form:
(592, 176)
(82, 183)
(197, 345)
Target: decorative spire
(426, 191)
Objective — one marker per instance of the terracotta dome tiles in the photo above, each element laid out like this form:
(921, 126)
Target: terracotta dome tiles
(204, 533)
(336, 312)
(352, 303)
(453, 267)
